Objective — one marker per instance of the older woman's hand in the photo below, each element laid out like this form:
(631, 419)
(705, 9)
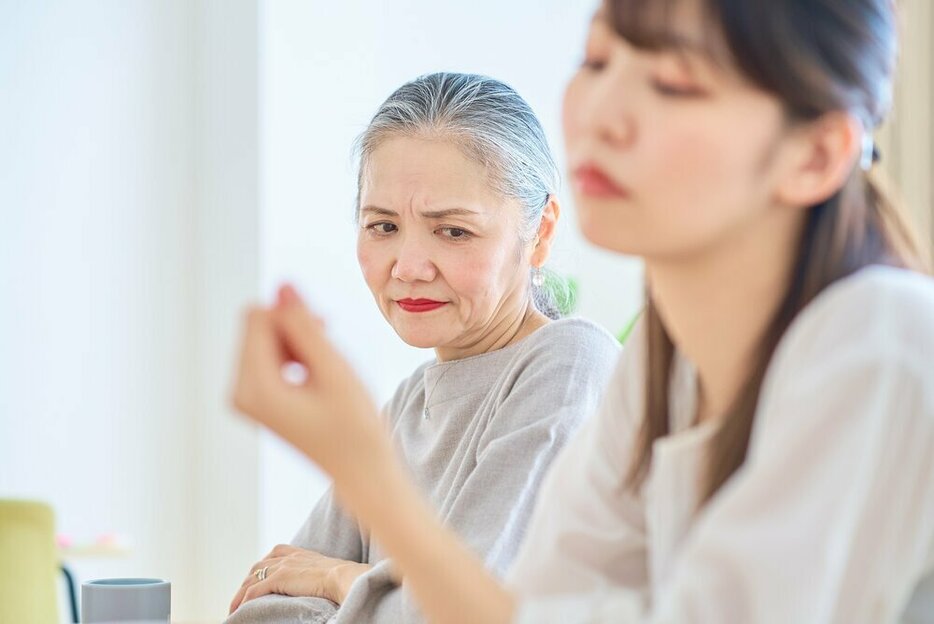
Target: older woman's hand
(293, 571)
(329, 415)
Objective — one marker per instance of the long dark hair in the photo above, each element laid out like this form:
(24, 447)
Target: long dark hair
(815, 56)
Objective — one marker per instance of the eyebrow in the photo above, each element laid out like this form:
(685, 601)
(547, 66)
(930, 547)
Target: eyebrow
(379, 211)
(428, 214)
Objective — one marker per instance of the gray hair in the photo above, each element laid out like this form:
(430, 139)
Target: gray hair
(493, 125)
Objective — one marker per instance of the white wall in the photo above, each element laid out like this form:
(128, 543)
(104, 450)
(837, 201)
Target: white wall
(226, 267)
(96, 202)
(326, 67)
(129, 177)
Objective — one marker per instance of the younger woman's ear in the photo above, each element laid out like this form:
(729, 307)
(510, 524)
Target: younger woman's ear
(820, 159)
(546, 232)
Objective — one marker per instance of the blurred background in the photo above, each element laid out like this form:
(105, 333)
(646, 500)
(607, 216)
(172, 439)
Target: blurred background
(164, 162)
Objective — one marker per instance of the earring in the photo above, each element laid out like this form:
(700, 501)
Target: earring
(868, 155)
(538, 279)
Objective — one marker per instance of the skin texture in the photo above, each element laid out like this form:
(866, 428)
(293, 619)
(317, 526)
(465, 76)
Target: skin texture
(431, 227)
(716, 183)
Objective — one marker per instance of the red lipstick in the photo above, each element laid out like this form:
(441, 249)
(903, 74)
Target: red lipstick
(590, 180)
(420, 305)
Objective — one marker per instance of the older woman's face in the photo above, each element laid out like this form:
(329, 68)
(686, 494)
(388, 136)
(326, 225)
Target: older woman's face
(439, 249)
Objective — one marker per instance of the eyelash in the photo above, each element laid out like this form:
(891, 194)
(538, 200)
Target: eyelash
(592, 65)
(667, 90)
(465, 234)
(372, 228)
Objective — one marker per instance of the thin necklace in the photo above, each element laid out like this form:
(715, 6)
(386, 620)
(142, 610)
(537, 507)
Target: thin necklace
(425, 413)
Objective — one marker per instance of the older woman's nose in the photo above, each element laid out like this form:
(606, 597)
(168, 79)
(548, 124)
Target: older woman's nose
(413, 263)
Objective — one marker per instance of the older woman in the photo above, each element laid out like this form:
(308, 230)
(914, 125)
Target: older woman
(457, 214)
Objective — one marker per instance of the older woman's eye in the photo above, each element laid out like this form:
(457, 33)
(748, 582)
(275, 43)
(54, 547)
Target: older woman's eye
(455, 233)
(382, 228)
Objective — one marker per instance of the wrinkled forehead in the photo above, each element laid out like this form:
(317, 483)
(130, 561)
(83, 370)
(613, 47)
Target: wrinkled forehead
(429, 172)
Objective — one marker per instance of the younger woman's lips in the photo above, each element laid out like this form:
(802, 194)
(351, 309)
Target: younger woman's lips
(420, 305)
(592, 181)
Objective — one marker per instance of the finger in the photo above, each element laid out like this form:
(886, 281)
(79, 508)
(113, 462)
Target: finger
(251, 579)
(267, 561)
(258, 589)
(259, 359)
(301, 333)
(259, 336)
(238, 597)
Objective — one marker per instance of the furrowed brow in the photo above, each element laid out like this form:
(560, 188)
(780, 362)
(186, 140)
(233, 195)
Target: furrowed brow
(379, 211)
(448, 212)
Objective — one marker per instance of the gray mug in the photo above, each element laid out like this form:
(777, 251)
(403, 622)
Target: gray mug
(126, 600)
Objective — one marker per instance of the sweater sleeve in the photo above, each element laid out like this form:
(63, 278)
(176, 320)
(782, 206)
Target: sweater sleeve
(551, 396)
(587, 527)
(329, 530)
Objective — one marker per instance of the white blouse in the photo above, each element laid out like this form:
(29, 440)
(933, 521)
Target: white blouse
(830, 519)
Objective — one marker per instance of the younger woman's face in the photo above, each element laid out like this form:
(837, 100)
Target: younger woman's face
(670, 151)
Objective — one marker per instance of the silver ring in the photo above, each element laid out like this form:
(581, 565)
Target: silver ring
(261, 574)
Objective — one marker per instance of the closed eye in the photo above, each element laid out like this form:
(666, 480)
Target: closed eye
(592, 64)
(672, 90)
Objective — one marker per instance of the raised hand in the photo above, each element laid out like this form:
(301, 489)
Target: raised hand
(328, 415)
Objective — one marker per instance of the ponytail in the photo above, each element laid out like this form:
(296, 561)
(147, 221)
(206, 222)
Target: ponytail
(910, 249)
